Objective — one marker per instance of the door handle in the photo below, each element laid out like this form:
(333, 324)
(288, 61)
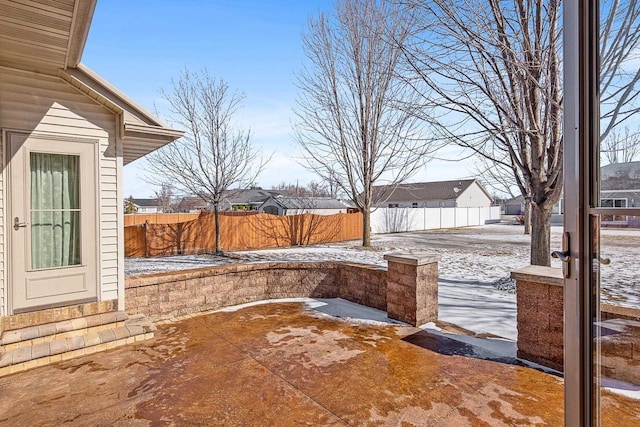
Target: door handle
(17, 224)
(564, 255)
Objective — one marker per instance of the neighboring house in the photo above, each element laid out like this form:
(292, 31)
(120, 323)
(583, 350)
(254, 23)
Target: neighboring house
(62, 240)
(465, 193)
(247, 199)
(513, 207)
(192, 204)
(351, 207)
(284, 205)
(620, 189)
(620, 185)
(617, 176)
(146, 206)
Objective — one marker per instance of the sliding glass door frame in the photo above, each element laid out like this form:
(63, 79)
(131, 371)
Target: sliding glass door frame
(581, 131)
(583, 211)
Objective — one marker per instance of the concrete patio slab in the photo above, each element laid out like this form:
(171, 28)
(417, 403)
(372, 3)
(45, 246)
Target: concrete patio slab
(284, 364)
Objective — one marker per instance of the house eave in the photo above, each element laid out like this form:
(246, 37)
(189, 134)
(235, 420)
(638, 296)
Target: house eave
(44, 36)
(82, 17)
(140, 137)
(139, 140)
(133, 130)
(127, 103)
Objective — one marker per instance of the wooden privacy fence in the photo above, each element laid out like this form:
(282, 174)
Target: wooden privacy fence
(158, 218)
(239, 232)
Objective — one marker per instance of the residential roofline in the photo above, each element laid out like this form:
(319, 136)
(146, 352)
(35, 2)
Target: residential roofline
(82, 16)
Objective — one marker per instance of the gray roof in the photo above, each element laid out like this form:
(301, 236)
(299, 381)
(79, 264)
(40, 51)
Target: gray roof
(620, 176)
(631, 169)
(309, 202)
(251, 195)
(146, 202)
(348, 203)
(192, 202)
(421, 191)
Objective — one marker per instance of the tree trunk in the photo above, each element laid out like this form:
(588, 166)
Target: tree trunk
(540, 236)
(527, 217)
(366, 227)
(216, 215)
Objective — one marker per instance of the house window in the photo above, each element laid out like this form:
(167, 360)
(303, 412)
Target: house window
(613, 203)
(414, 205)
(393, 205)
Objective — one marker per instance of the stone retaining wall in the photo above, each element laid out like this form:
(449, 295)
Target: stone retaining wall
(540, 302)
(540, 297)
(166, 295)
(363, 284)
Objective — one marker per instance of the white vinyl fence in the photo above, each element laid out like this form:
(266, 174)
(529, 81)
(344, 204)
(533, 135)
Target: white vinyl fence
(396, 220)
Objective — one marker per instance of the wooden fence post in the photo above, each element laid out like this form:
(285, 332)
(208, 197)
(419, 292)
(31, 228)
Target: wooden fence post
(146, 239)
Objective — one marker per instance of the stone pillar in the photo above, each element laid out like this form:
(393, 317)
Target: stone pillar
(412, 288)
(540, 315)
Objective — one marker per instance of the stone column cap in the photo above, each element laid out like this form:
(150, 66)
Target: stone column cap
(412, 258)
(539, 274)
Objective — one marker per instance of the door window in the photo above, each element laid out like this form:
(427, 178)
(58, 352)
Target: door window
(55, 210)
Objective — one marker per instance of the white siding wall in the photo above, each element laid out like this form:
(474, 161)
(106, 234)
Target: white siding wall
(46, 104)
(148, 210)
(473, 197)
(423, 204)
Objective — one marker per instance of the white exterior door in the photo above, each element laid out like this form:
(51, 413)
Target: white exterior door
(52, 222)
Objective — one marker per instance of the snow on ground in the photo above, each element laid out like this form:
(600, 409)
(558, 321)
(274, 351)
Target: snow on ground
(482, 254)
(478, 307)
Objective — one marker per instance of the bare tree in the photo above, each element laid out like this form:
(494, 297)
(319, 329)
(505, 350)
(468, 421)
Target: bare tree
(165, 197)
(318, 189)
(493, 72)
(493, 69)
(496, 176)
(621, 146)
(215, 153)
(619, 55)
(330, 181)
(353, 125)
(299, 224)
(291, 189)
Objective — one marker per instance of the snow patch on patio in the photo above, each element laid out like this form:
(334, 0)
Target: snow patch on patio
(502, 348)
(620, 387)
(310, 344)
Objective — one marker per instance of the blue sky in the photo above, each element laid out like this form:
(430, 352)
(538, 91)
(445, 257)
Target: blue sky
(255, 45)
